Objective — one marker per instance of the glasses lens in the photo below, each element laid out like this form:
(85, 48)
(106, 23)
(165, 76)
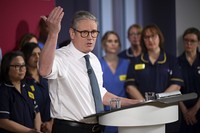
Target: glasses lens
(150, 37)
(19, 67)
(22, 67)
(134, 34)
(186, 41)
(94, 33)
(84, 34)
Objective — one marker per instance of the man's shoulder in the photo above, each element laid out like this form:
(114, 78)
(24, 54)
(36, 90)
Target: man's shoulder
(63, 51)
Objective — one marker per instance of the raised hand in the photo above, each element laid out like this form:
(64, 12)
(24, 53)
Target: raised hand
(53, 21)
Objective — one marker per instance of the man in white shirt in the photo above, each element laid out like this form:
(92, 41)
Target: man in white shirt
(66, 71)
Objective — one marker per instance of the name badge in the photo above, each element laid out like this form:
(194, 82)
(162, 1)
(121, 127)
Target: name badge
(32, 88)
(31, 95)
(139, 66)
(122, 77)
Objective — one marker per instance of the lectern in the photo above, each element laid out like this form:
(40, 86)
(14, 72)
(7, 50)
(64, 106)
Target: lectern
(146, 117)
(149, 117)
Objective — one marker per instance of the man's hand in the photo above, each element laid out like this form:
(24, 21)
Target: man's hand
(53, 21)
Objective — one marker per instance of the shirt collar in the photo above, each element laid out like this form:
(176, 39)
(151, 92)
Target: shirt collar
(76, 53)
(11, 85)
(161, 59)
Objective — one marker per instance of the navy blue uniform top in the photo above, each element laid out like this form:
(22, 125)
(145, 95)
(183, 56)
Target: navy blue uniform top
(16, 106)
(191, 76)
(126, 54)
(155, 77)
(42, 98)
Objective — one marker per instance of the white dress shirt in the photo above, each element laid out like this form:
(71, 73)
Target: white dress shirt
(69, 84)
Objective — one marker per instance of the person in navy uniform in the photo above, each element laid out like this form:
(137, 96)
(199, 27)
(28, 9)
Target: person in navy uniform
(190, 64)
(18, 108)
(154, 70)
(32, 52)
(134, 37)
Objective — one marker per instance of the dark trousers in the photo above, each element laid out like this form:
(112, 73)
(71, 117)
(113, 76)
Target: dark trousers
(65, 126)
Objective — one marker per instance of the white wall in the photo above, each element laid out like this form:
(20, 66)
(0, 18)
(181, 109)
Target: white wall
(130, 18)
(115, 15)
(187, 15)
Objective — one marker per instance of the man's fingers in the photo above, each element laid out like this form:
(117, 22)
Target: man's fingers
(44, 18)
(56, 14)
(61, 16)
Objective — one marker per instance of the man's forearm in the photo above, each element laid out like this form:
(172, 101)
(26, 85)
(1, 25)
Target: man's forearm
(47, 55)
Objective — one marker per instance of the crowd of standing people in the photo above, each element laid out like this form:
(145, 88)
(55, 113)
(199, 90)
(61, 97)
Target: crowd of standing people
(49, 89)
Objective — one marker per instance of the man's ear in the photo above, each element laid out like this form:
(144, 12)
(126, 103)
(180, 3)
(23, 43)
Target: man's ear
(71, 33)
(199, 43)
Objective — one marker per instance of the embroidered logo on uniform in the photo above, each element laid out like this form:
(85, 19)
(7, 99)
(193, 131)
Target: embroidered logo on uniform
(170, 72)
(139, 66)
(198, 69)
(32, 88)
(31, 95)
(122, 77)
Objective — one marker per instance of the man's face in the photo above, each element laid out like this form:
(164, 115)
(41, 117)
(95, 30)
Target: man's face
(84, 43)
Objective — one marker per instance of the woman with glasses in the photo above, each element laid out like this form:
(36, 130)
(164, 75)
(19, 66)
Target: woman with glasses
(190, 64)
(154, 70)
(32, 53)
(134, 37)
(18, 109)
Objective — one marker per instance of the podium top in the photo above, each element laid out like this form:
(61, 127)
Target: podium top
(162, 102)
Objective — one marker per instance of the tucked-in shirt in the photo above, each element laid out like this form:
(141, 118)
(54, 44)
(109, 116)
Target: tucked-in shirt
(156, 77)
(69, 84)
(19, 107)
(191, 75)
(114, 82)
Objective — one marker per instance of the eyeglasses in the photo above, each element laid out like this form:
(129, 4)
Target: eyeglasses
(134, 34)
(151, 36)
(19, 67)
(191, 41)
(112, 41)
(85, 33)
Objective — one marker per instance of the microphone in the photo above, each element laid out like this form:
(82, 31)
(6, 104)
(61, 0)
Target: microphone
(89, 71)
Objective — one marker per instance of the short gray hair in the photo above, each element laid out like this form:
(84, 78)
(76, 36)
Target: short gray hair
(82, 15)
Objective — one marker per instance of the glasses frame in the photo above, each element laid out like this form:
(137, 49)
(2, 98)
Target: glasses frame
(134, 34)
(153, 37)
(189, 41)
(19, 67)
(85, 33)
(113, 41)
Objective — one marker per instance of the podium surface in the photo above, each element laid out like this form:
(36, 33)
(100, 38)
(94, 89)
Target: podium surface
(151, 117)
(146, 117)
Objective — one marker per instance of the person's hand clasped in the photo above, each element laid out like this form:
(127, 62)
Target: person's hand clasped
(53, 21)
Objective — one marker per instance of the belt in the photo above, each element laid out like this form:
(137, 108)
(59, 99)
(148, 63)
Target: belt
(91, 127)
